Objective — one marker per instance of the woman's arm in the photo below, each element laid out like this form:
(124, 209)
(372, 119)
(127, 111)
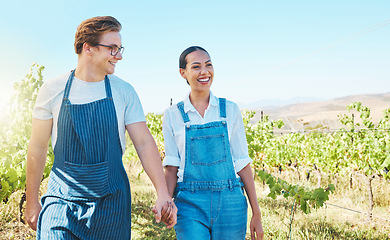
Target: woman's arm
(242, 162)
(171, 178)
(256, 226)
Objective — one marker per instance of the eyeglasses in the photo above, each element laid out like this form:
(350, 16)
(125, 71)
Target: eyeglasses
(114, 49)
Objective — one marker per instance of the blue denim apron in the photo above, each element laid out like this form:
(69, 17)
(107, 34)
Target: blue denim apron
(88, 194)
(210, 200)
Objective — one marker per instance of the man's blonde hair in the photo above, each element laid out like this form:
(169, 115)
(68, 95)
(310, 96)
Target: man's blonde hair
(91, 30)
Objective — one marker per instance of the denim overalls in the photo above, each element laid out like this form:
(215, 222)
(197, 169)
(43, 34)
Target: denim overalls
(210, 200)
(88, 194)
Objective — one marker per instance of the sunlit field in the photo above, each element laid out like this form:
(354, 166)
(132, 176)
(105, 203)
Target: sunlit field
(310, 185)
(327, 222)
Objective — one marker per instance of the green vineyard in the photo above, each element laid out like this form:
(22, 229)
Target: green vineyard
(360, 148)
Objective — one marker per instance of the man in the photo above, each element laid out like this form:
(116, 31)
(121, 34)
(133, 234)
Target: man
(86, 113)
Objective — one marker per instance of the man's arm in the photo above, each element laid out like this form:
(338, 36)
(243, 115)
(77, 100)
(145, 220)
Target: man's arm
(36, 159)
(150, 158)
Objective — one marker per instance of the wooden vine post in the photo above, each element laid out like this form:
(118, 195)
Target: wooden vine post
(370, 197)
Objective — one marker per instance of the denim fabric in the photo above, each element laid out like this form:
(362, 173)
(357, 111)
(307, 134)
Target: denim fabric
(173, 128)
(209, 214)
(88, 194)
(210, 200)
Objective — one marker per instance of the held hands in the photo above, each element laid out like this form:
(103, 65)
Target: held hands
(168, 214)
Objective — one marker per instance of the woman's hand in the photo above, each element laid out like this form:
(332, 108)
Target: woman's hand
(256, 228)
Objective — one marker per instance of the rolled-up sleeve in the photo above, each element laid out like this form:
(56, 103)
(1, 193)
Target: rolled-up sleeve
(238, 143)
(171, 151)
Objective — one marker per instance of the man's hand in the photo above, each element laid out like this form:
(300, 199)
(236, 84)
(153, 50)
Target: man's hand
(32, 212)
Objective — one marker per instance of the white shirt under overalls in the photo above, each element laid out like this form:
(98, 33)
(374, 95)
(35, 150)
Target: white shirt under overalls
(174, 134)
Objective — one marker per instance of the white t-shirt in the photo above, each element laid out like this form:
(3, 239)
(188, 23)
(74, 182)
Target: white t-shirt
(174, 133)
(127, 104)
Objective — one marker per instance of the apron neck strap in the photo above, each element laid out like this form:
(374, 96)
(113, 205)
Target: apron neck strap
(70, 80)
(108, 87)
(68, 84)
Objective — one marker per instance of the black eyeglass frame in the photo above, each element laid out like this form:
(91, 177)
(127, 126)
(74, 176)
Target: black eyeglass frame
(113, 48)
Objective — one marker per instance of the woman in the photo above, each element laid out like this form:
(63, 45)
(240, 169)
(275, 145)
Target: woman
(207, 162)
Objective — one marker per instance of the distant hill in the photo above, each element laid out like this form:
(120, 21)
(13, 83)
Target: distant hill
(302, 115)
(271, 103)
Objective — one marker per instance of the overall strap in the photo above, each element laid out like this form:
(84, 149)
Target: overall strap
(180, 106)
(222, 107)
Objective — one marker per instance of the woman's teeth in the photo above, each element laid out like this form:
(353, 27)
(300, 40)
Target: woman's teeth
(204, 80)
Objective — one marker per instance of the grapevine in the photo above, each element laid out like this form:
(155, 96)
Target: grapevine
(14, 140)
(360, 147)
(304, 197)
(357, 148)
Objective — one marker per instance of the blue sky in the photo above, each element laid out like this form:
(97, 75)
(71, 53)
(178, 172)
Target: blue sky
(260, 49)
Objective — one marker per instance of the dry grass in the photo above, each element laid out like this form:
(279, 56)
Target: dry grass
(328, 222)
(11, 227)
(337, 221)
